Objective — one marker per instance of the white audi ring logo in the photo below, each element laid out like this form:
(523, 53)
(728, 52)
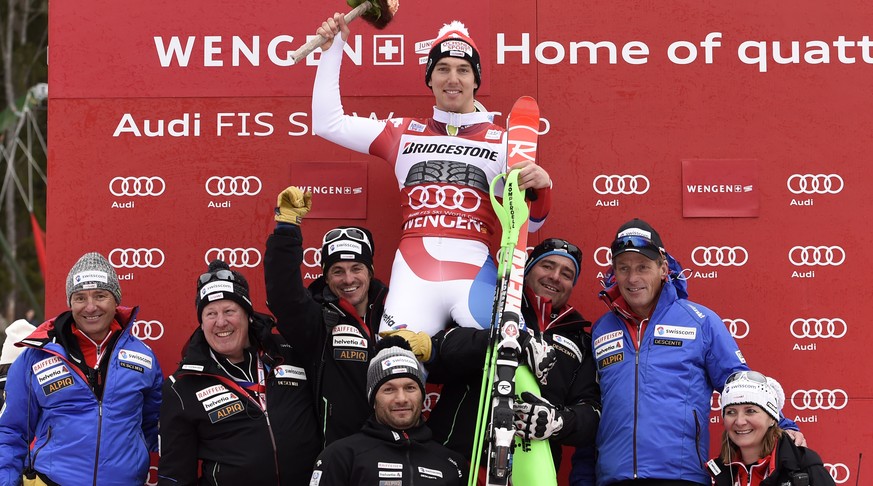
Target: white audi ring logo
(739, 328)
(815, 183)
(147, 330)
(136, 257)
(621, 184)
(235, 257)
(430, 401)
(312, 257)
(818, 328)
(137, 186)
(603, 256)
(838, 471)
(816, 255)
(714, 256)
(447, 197)
(233, 186)
(685, 274)
(819, 399)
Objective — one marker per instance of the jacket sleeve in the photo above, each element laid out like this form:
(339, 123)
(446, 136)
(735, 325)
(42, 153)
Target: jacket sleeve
(178, 441)
(15, 420)
(151, 408)
(581, 413)
(460, 353)
(723, 356)
(298, 316)
(333, 466)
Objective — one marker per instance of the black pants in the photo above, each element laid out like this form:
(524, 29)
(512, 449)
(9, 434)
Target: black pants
(656, 482)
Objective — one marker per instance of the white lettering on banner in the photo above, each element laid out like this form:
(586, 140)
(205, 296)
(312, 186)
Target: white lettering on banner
(707, 188)
(241, 122)
(444, 221)
(804, 202)
(341, 190)
(607, 204)
(633, 52)
(186, 126)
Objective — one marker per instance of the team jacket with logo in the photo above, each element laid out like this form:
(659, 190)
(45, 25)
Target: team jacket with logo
(379, 455)
(656, 399)
(337, 344)
(81, 439)
(571, 384)
(782, 467)
(207, 416)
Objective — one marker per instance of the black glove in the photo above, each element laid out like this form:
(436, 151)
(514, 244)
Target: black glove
(536, 418)
(540, 356)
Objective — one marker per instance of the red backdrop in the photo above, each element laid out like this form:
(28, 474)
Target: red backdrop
(175, 124)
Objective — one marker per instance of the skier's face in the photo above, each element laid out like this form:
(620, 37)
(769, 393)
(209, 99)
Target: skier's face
(350, 281)
(746, 426)
(398, 403)
(226, 327)
(453, 84)
(552, 278)
(93, 311)
(639, 280)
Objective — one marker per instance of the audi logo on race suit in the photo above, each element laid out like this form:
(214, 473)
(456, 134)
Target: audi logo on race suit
(233, 186)
(430, 401)
(838, 471)
(739, 328)
(137, 186)
(603, 256)
(235, 257)
(147, 330)
(719, 256)
(621, 184)
(819, 399)
(312, 257)
(816, 255)
(819, 328)
(433, 196)
(136, 257)
(815, 183)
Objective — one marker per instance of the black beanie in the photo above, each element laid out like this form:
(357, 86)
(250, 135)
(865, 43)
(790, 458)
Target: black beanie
(347, 244)
(219, 283)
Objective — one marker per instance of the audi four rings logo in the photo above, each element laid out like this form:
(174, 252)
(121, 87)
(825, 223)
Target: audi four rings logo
(816, 255)
(815, 183)
(147, 330)
(715, 402)
(235, 257)
(603, 256)
(233, 185)
(447, 197)
(819, 328)
(429, 401)
(838, 471)
(136, 257)
(312, 257)
(621, 184)
(137, 186)
(715, 256)
(739, 328)
(819, 399)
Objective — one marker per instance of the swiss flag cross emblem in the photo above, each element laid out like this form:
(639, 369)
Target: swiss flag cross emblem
(388, 50)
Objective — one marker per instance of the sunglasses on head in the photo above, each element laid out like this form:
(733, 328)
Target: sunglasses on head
(748, 375)
(633, 242)
(557, 244)
(355, 234)
(219, 275)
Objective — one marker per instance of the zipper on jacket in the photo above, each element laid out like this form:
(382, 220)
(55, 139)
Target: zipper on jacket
(48, 437)
(275, 450)
(99, 430)
(637, 392)
(409, 458)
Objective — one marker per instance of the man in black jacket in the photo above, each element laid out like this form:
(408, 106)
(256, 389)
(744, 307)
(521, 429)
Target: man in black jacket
(395, 446)
(239, 403)
(333, 322)
(569, 406)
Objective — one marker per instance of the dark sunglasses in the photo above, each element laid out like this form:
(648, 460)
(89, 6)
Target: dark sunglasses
(557, 244)
(219, 275)
(633, 242)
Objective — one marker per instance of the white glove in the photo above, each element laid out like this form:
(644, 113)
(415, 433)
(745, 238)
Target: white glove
(536, 418)
(540, 356)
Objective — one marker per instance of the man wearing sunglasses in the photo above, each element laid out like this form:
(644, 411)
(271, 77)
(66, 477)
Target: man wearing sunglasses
(557, 348)
(658, 357)
(335, 320)
(443, 271)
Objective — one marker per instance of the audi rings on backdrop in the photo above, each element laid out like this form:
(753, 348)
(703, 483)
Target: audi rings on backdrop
(815, 183)
(715, 256)
(816, 255)
(824, 328)
(835, 399)
(137, 186)
(621, 184)
(147, 330)
(838, 471)
(136, 257)
(739, 328)
(233, 186)
(235, 257)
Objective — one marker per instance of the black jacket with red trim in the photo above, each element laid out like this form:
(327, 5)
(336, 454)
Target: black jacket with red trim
(786, 465)
(571, 384)
(337, 343)
(207, 416)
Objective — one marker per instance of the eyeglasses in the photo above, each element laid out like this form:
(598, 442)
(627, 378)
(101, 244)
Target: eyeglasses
(557, 244)
(355, 234)
(634, 242)
(747, 375)
(219, 275)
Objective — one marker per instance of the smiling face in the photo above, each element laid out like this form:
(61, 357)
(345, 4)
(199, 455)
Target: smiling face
(453, 84)
(226, 326)
(746, 426)
(552, 278)
(398, 403)
(93, 312)
(350, 281)
(639, 280)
